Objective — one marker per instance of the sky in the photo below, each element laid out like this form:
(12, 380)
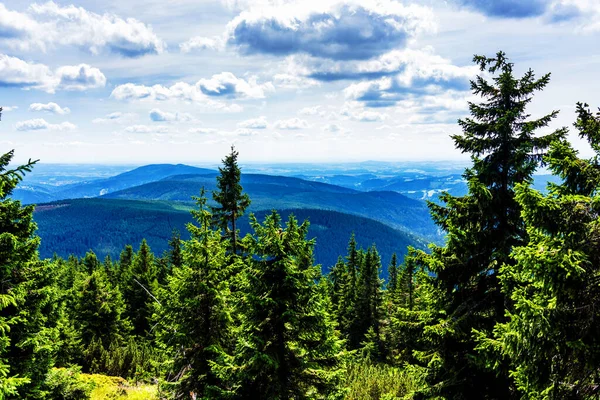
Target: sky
(134, 82)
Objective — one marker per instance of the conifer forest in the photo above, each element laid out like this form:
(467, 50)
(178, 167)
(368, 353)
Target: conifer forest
(506, 306)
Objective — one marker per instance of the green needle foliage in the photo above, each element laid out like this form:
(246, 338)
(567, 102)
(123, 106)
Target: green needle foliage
(483, 227)
(552, 336)
(231, 202)
(288, 347)
(196, 312)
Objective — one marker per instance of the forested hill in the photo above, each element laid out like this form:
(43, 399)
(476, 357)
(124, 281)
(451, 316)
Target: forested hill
(106, 226)
(275, 192)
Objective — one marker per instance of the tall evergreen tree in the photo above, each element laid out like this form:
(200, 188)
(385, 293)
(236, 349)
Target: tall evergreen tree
(552, 336)
(347, 309)
(28, 295)
(483, 227)
(368, 295)
(231, 202)
(288, 347)
(196, 311)
(139, 290)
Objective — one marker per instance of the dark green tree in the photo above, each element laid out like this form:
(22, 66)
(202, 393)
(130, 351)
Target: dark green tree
(231, 202)
(28, 295)
(288, 347)
(139, 290)
(175, 252)
(552, 337)
(196, 311)
(482, 229)
(368, 295)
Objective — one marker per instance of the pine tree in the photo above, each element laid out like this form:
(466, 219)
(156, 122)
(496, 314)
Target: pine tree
(231, 201)
(392, 285)
(196, 313)
(551, 336)
(100, 310)
(338, 277)
(348, 322)
(288, 348)
(483, 227)
(368, 295)
(28, 295)
(140, 289)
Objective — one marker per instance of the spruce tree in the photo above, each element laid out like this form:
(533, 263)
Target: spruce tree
(196, 311)
(28, 295)
(551, 336)
(287, 347)
(482, 228)
(99, 314)
(140, 289)
(347, 309)
(368, 295)
(231, 202)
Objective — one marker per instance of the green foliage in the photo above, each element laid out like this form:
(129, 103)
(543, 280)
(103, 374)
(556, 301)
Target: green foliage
(67, 384)
(482, 228)
(195, 312)
(138, 290)
(551, 337)
(231, 202)
(372, 381)
(288, 346)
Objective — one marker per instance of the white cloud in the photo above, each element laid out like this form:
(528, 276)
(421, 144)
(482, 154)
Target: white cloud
(115, 117)
(9, 108)
(158, 115)
(255, 123)
(336, 29)
(292, 124)
(204, 92)
(80, 77)
(202, 43)
(315, 110)
(147, 129)
(227, 84)
(42, 124)
(48, 25)
(18, 73)
(49, 107)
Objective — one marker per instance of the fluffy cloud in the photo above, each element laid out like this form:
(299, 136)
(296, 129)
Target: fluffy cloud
(80, 77)
(411, 64)
(228, 85)
(292, 124)
(202, 43)
(157, 115)
(255, 123)
(341, 30)
(42, 124)
(422, 73)
(15, 72)
(50, 107)
(224, 85)
(49, 24)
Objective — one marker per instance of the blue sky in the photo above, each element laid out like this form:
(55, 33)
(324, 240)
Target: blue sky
(313, 80)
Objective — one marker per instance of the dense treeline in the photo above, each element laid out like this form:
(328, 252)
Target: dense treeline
(506, 308)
